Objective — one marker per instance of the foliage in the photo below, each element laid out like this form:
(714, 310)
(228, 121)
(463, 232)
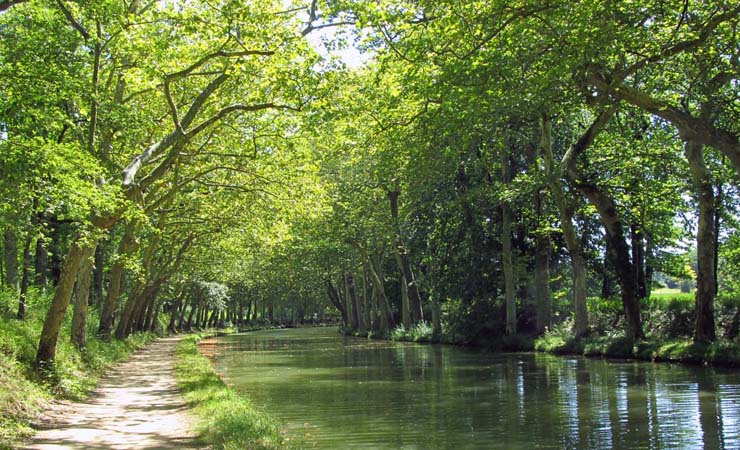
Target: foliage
(419, 332)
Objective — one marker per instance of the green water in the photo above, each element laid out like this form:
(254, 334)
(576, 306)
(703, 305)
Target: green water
(334, 392)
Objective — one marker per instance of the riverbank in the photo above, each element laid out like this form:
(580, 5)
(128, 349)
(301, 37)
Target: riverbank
(668, 322)
(223, 418)
(719, 353)
(25, 396)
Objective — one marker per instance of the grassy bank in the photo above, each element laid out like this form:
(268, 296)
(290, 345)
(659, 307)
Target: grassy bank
(668, 321)
(720, 353)
(225, 420)
(23, 393)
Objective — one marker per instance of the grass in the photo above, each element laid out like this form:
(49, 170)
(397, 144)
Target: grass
(224, 419)
(719, 353)
(23, 393)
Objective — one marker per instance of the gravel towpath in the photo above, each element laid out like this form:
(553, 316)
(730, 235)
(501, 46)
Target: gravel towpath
(137, 405)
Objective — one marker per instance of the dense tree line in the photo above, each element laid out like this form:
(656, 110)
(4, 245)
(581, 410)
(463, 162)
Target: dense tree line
(487, 170)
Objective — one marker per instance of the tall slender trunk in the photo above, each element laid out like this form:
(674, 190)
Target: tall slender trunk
(621, 256)
(349, 289)
(413, 303)
(189, 324)
(40, 262)
(508, 262)
(129, 311)
(174, 315)
(25, 276)
(336, 300)
(573, 244)
(542, 280)
(81, 293)
(638, 258)
(97, 297)
(62, 296)
(704, 330)
(718, 207)
(357, 319)
(11, 258)
(108, 311)
(383, 304)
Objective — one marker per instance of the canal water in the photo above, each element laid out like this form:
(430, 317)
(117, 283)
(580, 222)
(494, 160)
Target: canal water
(336, 392)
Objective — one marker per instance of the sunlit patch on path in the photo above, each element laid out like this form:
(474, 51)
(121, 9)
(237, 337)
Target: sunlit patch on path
(137, 406)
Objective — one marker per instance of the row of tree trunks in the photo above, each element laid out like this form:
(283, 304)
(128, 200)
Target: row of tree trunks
(412, 311)
(617, 243)
(572, 243)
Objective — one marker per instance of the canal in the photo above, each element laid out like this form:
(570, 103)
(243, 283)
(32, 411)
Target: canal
(336, 392)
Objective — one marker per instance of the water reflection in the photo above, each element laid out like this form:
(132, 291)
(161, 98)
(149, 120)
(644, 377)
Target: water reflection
(337, 392)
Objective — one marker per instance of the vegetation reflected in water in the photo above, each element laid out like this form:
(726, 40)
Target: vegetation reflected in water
(338, 392)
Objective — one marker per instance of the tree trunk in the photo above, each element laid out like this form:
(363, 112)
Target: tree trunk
(385, 307)
(542, 282)
(705, 244)
(349, 288)
(508, 262)
(638, 258)
(25, 276)
(337, 301)
(189, 324)
(573, 244)
(11, 259)
(108, 310)
(40, 262)
(621, 256)
(357, 311)
(128, 314)
(81, 293)
(97, 297)
(174, 315)
(62, 296)
(410, 287)
(610, 219)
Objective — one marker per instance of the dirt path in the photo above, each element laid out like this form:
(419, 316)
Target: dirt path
(136, 406)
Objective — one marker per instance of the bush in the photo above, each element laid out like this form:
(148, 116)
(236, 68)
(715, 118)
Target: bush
(420, 332)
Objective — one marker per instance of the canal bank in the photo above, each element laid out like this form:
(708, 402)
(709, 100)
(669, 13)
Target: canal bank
(332, 391)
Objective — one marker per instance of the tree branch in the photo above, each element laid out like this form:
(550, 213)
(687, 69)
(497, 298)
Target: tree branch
(75, 24)
(6, 4)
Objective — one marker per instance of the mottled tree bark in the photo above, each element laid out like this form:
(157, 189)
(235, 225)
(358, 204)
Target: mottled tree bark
(542, 280)
(704, 330)
(62, 296)
(81, 293)
(573, 244)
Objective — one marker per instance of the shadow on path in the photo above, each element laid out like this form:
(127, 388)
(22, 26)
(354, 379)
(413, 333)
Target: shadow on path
(136, 406)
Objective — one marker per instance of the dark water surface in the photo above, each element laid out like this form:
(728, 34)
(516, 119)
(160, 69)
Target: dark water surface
(334, 392)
